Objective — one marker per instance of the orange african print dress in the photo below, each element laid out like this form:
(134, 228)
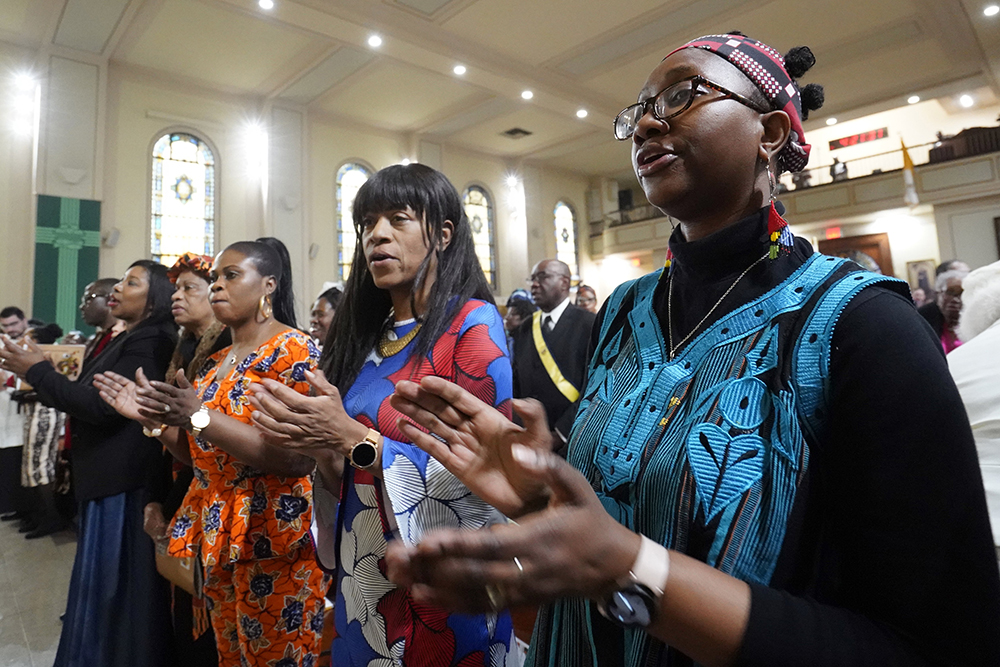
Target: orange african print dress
(251, 529)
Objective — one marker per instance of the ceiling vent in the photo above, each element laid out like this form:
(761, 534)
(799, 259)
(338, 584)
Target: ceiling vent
(516, 133)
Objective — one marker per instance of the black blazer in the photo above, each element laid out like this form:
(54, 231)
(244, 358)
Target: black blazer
(110, 453)
(569, 344)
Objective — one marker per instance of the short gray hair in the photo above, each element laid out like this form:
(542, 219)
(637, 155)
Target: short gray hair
(941, 283)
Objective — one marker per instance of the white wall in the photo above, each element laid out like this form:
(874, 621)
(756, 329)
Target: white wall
(966, 230)
(17, 241)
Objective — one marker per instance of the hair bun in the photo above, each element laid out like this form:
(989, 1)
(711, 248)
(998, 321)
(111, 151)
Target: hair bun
(798, 60)
(812, 99)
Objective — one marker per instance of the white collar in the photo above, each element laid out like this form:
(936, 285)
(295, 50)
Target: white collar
(556, 312)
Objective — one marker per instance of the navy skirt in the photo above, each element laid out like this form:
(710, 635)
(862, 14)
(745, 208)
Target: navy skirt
(118, 612)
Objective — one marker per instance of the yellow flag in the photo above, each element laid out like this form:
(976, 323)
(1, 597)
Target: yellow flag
(910, 192)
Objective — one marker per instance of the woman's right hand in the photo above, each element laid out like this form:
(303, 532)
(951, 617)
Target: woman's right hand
(120, 393)
(154, 523)
(473, 441)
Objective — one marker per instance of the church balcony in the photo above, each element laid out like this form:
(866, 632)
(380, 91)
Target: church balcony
(874, 184)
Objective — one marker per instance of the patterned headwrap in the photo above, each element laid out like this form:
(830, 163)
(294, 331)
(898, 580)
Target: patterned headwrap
(200, 265)
(765, 67)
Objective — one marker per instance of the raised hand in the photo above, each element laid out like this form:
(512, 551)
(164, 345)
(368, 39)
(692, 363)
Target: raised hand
(288, 419)
(573, 548)
(119, 392)
(473, 440)
(18, 356)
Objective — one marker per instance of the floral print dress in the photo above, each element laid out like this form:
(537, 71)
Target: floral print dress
(378, 624)
(251, 529)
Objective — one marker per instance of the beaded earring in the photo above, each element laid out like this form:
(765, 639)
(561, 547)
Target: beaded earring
(778, 234)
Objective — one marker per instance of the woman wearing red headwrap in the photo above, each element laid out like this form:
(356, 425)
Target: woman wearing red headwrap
(746, 481)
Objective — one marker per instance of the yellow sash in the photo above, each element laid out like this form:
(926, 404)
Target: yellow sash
(564, 386)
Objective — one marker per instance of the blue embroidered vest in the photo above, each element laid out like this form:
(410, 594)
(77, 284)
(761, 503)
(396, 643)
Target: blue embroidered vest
(705, 453)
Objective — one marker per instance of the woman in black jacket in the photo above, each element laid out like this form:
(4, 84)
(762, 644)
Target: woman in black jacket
(118, 608)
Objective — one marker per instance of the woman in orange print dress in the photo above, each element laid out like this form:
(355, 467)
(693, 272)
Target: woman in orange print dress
(248, 511)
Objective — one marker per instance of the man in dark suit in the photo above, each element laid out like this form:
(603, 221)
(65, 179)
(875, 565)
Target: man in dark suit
(551, 349)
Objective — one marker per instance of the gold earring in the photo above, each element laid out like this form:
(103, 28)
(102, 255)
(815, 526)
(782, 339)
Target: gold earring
(264, 306)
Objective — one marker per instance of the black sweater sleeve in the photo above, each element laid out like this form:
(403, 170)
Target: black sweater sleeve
(906, 571)
(146, 347)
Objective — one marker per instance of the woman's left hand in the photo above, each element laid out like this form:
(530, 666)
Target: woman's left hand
(573, 548)
(15, 358)
(165, 403)
(288, 419)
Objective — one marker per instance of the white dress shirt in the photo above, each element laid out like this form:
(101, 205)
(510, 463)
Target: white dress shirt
(976, 369)
(555, 313)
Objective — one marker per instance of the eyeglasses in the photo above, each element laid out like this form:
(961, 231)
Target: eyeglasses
(540, 277)
(87, 298)
(672, 101)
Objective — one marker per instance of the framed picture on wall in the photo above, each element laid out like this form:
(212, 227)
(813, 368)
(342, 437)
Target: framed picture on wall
(870, 251)
(920, 275)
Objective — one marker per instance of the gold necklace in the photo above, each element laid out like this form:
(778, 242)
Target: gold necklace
(670, 298)
(388, 347)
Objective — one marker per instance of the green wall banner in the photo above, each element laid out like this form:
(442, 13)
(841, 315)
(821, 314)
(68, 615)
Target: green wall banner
(67, 243)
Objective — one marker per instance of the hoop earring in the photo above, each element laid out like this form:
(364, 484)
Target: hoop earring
(264, 307)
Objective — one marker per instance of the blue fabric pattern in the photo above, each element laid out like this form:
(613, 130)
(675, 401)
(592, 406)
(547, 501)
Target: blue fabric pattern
(709, 445)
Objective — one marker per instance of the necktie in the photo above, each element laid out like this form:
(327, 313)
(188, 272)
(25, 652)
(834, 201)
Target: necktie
(547, 324)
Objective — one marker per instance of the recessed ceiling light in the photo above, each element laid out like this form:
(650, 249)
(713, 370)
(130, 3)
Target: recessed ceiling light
(374, 41)
(459, 70)
(831, 121)
(527, 95)
(265, 4)
(24, 81)
(581, 113)
(991, 10)
(913, 99)
(512, 181)
(966, 101)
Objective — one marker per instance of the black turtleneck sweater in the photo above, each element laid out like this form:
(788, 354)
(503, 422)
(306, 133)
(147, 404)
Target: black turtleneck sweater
(888, 558)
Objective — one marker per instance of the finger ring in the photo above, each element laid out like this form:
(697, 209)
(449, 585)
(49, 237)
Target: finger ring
(166, 409)
(520, 568)
(495, 593)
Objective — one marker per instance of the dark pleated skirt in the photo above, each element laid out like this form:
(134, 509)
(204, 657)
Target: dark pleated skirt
(118, 612)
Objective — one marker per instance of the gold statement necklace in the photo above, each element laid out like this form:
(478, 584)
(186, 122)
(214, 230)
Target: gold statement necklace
(388, 346)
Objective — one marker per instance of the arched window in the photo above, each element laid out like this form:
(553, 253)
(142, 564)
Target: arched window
(565, 224)
(479, 210)
(183, 198)
(350, 178)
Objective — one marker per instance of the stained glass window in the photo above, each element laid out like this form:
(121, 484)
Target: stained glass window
(350, 178)
(479, 210)
(183, 198)
(565, 224)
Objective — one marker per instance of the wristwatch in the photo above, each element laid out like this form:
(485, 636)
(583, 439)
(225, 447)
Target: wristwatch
(200, 420)
(364, 454)
(635, 603)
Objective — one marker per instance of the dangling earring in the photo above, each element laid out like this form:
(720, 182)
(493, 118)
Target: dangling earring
(264, 307)
(778, 234)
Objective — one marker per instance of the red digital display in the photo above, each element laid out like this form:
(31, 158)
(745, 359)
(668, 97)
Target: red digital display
(856, 139)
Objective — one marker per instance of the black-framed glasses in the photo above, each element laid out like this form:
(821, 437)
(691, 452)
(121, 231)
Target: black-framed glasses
(539, 277)
(673, 100)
